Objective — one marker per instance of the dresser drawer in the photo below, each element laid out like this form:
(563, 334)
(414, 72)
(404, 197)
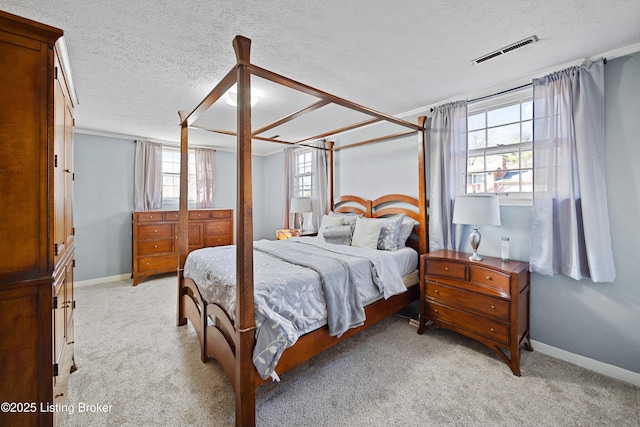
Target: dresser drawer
(220, 214)
(446, 269)
(155, 231)
(199, 215)
(217, 227)
(493, 307)
(490, 278)
(155, 247)
(491, 329)
(171, 216)
(218, 240)
(150, 216)
(160, 262)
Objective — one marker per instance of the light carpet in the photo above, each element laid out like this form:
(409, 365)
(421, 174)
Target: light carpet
(137, 368)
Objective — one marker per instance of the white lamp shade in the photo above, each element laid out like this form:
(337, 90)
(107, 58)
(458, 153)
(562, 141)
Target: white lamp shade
(476, 209)
(300, 204)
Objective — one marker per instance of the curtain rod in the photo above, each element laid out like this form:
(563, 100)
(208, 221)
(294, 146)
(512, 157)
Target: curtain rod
(500, 93)
(604, 60)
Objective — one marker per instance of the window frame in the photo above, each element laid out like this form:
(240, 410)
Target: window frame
(307, 172)
(173, 202)
(496, 102)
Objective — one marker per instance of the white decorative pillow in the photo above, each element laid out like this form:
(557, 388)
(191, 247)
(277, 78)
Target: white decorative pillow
(406, 228)
(328, 221)
(366, 233)
(389, 232)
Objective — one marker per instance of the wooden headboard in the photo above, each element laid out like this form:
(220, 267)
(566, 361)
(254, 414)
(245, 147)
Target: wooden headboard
(390, 204)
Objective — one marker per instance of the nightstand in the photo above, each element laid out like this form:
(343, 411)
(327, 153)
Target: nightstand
(286, 233)
(485, 300)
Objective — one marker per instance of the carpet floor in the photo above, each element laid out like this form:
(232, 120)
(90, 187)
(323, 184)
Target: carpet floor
(137, 368)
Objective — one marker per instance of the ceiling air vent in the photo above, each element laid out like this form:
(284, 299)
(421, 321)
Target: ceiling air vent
(509, 48)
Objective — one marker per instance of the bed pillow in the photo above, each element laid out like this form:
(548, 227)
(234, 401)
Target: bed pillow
(328, 221)
(347, 219)
(406, 228)
(389, 232)
(338, 235)
(366, 233)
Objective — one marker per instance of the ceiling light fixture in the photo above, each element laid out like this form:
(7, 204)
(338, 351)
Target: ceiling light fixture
(232, 96)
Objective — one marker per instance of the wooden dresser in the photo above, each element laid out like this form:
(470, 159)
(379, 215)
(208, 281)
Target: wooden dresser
(486, 300)
(155, 238)
(37, 101)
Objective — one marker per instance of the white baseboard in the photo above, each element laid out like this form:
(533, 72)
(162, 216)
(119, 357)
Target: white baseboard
(102, 280)
(593, 365)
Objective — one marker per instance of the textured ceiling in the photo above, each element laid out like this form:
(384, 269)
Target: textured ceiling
(136, 63)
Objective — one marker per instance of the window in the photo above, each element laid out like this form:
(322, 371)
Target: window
(302, 182)
(171, 177)
(500, 146)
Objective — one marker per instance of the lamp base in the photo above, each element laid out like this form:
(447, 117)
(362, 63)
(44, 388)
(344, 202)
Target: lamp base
(475, 257)
(474, 239)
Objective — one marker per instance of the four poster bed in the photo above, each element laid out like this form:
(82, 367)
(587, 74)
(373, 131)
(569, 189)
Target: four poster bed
(226, 304)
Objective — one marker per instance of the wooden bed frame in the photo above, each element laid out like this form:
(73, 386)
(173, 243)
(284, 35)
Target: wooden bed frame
(232, 344)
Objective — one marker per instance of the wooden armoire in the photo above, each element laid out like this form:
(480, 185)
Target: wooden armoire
(36, 232)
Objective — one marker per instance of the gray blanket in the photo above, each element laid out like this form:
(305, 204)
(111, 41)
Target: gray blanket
(344, 307)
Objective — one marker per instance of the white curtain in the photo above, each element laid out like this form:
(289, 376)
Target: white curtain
(320, 203)
(287, 190)
(147, 194)
(204, 177)
(448, 140)
(570, 225)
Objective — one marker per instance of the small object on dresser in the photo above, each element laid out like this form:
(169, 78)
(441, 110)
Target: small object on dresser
(504, 249)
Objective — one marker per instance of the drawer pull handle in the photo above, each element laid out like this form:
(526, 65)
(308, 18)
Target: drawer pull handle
(492, 330)
(147, 263)
(489, 278)
(155, 246)
(218, 240)
(155, 231)
(446, 269)
(437, 291)
(218, 226)
(435, 310)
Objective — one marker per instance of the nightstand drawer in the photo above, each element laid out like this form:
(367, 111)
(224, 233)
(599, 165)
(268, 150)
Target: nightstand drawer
(493, 307)
(491, 278)
(493, 330)
(446, 269)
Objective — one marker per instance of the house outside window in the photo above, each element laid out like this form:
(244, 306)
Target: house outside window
(500, 147)
(171, 178)
(302, 180)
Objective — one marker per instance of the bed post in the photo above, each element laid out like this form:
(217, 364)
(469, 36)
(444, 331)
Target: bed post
(331, 174)
(422, 187)
(183, 236)
(245, 384)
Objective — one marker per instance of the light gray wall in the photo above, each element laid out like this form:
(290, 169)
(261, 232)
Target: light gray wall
(103, 202)
(599, 321)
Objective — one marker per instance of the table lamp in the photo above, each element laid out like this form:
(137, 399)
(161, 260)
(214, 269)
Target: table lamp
(298, 206)
(476, 209)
